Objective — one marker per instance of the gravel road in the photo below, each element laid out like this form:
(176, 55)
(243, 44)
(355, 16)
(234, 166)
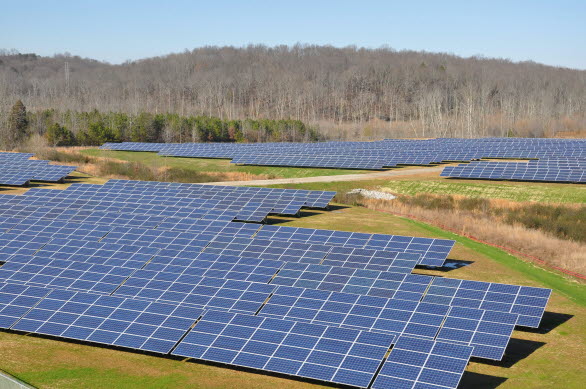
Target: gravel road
(343, 177)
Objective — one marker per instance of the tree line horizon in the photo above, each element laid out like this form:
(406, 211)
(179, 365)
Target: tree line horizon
(95, 128)
(345, 93)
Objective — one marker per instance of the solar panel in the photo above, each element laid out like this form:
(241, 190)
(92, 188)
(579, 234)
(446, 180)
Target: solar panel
(352, 280)
(433, 252)
(17, 169)
(16, 300)
(421, 363)
(488, 332)
(528, 302)
(217, 266)
(195, 290)
(318, 352)
(355, 311)
(110, 320)
(65, 274)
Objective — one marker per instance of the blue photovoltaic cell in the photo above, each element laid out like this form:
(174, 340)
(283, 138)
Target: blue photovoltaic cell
(422, 363)
(528, 302)
(110, 320)
(16, 300)
(218, 266)
(382, 260)
(488, 332)
(327, 254)
(354, 311)
(432, 252)
(98, 253)
(203, 292)
(397, 281)
(65, 274)
(268, 249)
(319, 352)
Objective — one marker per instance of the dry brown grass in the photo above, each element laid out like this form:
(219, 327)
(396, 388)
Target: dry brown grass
(239, 176)
(103, 167)
(557, 252)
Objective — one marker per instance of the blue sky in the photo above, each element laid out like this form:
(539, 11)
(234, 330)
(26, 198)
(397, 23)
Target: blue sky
(550, 32)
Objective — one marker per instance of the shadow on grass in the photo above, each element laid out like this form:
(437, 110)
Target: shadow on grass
(305, 212)
(449, 265)
(73, 179)
(337, 207)
(480, 381)
(549, 321)
(277, 219)
(517, 350)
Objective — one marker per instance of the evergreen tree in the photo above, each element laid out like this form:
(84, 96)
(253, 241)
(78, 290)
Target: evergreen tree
(17, 124)
(58, 135)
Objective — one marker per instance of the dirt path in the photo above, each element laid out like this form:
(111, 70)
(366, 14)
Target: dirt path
(343, 177)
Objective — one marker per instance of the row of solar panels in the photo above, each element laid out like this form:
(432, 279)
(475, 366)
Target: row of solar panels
(517, 171)
(129, 269)
(232, 238)
(152, 325)
(325, 353)
(348, 310)
(557, 155)
(17, 170)
(164, 204)
(389, 144)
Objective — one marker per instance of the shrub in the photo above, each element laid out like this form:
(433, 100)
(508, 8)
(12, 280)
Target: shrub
(58, 135)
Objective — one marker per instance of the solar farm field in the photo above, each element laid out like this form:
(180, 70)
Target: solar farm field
(213, 165)
(554, 160)
(125, 283)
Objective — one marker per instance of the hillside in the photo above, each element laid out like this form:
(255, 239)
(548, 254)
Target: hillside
(350, 92)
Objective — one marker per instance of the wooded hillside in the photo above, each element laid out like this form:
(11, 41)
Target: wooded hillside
(349, 92)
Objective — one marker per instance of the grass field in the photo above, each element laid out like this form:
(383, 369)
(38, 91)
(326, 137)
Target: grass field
(409, 185)
(546, 358)
(508, 190)
(433, 184)
(214, 165)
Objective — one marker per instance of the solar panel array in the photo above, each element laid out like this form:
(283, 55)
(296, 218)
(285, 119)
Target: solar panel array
(343, 356)
(16, 169)
(177, 205)
(560, 160)
(558, 170)
(192, 282)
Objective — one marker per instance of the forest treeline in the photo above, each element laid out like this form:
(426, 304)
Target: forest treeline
(349, 92)
(71, 128)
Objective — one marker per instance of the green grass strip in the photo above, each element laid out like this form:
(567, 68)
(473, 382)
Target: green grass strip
(572, 290)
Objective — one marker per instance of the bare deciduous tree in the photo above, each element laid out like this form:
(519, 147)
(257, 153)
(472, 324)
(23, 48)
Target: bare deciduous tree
(344, 90)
